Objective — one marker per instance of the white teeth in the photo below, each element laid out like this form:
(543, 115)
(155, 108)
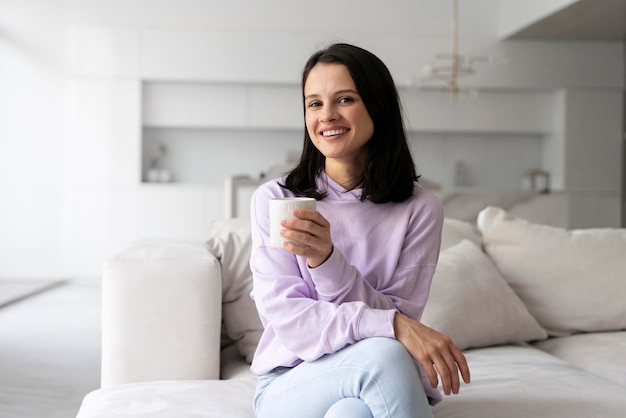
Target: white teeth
(333, 132)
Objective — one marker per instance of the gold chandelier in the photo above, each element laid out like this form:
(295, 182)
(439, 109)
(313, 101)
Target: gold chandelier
(448, 68)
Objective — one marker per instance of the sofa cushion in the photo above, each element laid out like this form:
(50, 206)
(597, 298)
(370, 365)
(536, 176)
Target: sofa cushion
(471, 303)
(521, 381)
(456, 230)
(601, 353)
(168, 399)
(571, 281)
(230, 241)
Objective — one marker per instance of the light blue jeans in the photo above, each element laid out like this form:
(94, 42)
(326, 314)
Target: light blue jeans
(374, 378)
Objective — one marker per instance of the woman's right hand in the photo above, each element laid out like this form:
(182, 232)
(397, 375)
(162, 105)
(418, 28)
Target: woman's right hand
(312, 231)
(434, 351)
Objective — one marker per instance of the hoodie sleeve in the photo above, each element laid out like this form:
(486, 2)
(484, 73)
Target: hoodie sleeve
(407, 290)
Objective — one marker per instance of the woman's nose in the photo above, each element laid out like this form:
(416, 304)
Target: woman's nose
(328, 113)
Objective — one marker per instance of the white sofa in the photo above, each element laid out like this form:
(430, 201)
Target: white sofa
(540, 312)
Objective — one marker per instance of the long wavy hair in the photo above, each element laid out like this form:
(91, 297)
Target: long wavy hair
(389, 172)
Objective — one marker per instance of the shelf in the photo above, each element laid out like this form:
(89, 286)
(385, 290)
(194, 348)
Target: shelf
(210, 155)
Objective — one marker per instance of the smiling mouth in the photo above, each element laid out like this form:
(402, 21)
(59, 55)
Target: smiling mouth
(334, 132)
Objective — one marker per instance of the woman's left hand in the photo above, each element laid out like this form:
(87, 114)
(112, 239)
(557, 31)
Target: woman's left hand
(435, 352)
(311, 233)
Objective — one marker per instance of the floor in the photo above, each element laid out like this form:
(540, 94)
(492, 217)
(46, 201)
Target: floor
(50, 351)
(12, 291)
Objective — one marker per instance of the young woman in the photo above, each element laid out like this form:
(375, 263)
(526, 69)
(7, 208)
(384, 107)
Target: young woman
(341, 310)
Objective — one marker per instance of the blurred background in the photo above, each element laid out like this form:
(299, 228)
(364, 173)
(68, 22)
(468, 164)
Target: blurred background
(125, 119)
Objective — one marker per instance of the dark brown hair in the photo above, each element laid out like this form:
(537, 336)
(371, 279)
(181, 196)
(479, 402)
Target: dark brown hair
(389, 172)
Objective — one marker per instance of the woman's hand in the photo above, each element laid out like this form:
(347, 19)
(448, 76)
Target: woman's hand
(311, 233)
(434, 351)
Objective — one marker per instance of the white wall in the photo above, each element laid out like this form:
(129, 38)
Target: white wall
(593, 156)
(32, 153)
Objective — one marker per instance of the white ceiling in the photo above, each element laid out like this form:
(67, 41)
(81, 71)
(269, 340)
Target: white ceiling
(422, 18)
(587, 20)
(479, 19)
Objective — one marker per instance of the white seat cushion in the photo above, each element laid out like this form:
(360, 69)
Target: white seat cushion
(507, 381)
(602, 353)
(521, 381)
(173, 399)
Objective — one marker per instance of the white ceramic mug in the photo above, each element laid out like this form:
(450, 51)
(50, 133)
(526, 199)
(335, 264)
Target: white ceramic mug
(282, 208)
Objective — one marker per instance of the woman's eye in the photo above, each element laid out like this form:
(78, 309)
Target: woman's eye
(314, 104)
(346, 100)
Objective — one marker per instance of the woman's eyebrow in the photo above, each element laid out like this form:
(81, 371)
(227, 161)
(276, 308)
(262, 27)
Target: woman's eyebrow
(337, 93)
(346, 91)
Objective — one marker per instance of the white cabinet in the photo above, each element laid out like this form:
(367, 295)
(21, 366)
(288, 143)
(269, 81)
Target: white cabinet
(194, 105)
(215, 105)
(194, 55)
(493, 111)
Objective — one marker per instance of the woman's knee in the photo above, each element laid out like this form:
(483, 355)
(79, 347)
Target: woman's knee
(388, 359)
(349, 407)
(386, 350)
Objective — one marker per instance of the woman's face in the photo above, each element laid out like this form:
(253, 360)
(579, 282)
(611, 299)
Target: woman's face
(336, 118)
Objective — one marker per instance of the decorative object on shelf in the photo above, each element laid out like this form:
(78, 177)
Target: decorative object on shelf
(460, 174)
(157, 174)
(455, 65)
(537, 180)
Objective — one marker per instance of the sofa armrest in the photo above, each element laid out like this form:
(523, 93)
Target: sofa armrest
(161, 313)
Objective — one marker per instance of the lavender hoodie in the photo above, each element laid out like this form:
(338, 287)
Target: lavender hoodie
(383, 261)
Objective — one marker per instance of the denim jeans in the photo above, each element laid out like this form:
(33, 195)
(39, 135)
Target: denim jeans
(375, 377)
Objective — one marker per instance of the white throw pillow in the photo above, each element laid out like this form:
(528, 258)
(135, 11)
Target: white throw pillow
(231, 243)
(571, 281)
(456, 230)
(472, 304)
